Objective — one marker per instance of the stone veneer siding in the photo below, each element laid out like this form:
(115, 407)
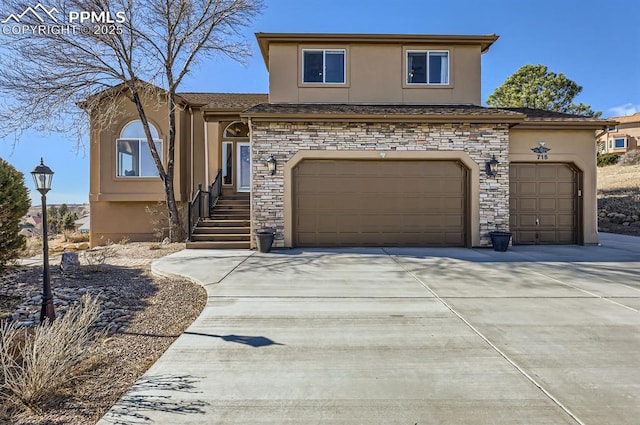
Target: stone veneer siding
(284, 139)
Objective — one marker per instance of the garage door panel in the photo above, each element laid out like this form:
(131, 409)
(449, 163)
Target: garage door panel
(547, 204)
(565, 173)
(527, 220)
(546, 172)
(566, 189)
(526, 237)
(528, 204)
(566, 220)
(379, 203)
(526, 172)
(547, 188)
(527, 188)
(544, 208)
(565, 236)
(566, 205)
(547, 220)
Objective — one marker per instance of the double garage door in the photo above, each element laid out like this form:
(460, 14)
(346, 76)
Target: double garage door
(380, 203)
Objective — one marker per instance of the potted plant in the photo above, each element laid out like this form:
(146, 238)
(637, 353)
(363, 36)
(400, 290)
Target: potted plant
(500, 240)
(264, 239)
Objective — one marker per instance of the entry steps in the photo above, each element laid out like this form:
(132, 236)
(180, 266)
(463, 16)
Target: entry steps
(227, 228)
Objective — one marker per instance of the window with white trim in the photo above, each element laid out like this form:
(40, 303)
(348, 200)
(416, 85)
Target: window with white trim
(133, 156)
(612, 129)
(428, 67)
(620, 143)
(324, 66)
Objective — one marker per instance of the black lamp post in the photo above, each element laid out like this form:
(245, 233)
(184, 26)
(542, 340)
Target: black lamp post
(42, 176)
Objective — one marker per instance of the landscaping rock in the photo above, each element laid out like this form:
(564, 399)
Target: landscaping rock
(70, 262)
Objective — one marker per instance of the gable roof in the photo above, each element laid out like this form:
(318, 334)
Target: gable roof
(264, 39)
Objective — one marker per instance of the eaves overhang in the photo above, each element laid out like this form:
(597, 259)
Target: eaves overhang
(563, 125)
(436, 119)
(382, 113)
(265, 39)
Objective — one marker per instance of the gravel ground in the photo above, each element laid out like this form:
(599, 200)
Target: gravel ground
(155, 311)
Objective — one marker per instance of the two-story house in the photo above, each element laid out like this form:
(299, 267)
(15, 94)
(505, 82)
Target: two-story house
(364, 140)
(622, 136)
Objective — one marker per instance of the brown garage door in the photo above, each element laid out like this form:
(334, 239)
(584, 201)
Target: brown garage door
(543, 203)
(379, 203)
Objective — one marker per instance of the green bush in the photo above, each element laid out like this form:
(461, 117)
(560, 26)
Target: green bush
(608, 159)
(14, 203)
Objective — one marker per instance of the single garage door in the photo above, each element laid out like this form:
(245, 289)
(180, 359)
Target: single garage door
(543, 203)
(380, 203)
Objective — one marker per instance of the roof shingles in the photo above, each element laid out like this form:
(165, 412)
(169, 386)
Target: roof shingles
(224, 100)
(362, 109)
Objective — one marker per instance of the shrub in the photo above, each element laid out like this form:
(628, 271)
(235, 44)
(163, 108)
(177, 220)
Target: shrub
(632, 157)
(35, 362)
(96, 258)
(75, 237)
(14, 203)
(608, 159)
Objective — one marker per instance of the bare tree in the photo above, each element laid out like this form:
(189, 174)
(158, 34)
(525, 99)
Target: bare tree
(94, 53)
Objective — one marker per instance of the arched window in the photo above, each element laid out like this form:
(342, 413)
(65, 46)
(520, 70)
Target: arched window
(133, 154)
(236, 129)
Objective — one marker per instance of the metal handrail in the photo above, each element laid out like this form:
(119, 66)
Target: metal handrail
(215, 191)
(195, 212)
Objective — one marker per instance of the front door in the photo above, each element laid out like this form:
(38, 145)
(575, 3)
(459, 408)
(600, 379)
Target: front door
(243, 169)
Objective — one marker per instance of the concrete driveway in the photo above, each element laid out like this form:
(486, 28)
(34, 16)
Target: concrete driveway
(536, 335)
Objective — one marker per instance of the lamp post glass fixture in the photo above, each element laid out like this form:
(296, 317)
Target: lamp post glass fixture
(271, 165)
(491, 167)
(42, 176)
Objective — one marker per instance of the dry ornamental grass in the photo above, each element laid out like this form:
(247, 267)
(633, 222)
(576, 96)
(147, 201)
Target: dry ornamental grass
(160, 310)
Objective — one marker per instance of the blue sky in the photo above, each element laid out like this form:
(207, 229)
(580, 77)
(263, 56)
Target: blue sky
(595, 43)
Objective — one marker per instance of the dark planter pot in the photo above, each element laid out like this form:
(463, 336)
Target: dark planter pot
(264, 240)
(500, 240)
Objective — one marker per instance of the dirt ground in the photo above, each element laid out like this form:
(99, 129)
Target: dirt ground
(619, 192)
(162, 309)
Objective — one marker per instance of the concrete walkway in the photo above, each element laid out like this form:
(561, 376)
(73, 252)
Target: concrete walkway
(536, 335)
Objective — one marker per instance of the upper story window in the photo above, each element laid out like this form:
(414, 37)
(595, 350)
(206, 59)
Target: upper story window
(612, 128)
(428, 67)
(323, 66)
(133, 155)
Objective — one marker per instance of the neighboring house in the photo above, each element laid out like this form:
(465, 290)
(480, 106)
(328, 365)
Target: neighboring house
(378, 140)
(33, 221)
(620, 137)
(83, 224)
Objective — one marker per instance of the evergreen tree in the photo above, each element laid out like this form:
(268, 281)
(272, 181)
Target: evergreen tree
(534, 86)
(14, 204)
(68, 221)
(53, 219)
